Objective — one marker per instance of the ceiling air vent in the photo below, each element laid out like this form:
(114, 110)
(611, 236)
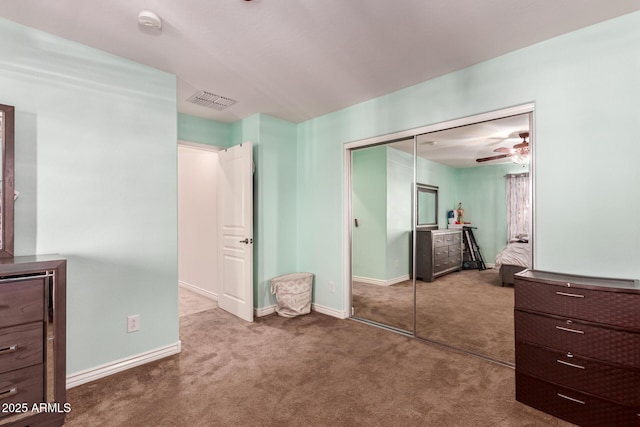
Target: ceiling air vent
(211, 100)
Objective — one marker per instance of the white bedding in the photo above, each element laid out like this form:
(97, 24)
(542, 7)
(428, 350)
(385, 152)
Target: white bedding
(515, 253)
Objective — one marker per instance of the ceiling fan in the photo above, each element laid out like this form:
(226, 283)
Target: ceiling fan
(520, 150)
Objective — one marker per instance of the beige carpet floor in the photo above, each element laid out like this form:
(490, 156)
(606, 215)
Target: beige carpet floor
(191, 302)
(469, 310)
(311, 370)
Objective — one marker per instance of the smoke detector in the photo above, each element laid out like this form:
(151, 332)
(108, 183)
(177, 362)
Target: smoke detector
(149, 19)
(211, 100)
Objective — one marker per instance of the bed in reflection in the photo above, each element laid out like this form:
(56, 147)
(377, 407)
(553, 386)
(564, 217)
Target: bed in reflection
(515, 257)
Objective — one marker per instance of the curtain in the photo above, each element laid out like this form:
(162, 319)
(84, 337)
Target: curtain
(517, 205)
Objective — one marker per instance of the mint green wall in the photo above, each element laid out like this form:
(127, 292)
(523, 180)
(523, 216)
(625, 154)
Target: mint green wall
(399, 213)
(204, 131)
(246, 130)
(585, 88)
(96, 170)
(369, 201)
(482, 191)
(274, 200)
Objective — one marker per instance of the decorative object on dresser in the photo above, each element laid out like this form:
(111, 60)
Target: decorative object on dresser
(438, 252)
(578, 347)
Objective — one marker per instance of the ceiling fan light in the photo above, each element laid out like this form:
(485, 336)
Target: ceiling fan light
(521, 158)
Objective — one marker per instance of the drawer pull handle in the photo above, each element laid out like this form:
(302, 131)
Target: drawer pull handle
(10, 349)
(566, 294)
(575, 331)
(7, 393)
(570, 398)
(573, 365)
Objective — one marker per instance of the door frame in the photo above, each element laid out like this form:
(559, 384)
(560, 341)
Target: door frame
(206, 148)
(412, 133)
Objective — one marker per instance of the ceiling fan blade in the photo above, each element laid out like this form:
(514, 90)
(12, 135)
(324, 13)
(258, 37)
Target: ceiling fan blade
(499, 156)
(524, 144)
(504, 150)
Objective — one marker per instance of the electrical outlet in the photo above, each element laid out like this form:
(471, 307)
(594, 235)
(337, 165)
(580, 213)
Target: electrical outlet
(332, 286)
(133, 323)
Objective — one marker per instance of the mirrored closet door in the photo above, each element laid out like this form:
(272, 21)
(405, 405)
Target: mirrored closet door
(381, 230)
(455, 286)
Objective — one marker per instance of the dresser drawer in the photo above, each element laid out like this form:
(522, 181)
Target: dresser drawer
(611, 382)
(602, 306)
(456, 261)
(455, 250)
(22, 302)
(440, 265)
(573, 406)
(21, 346)
(439, 240)
(446, 264)
(441, 252)
(24, 385)
(578, 338)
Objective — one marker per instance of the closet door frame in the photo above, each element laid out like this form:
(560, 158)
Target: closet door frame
(413, 133)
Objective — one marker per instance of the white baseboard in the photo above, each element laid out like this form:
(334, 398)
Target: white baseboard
(259, 312)
(399, 279)
(93, 374)
(369, 280)
(381, 282)
(199, 291)
(329, 311)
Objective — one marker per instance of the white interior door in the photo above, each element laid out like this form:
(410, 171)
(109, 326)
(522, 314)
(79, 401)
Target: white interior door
(236, 230)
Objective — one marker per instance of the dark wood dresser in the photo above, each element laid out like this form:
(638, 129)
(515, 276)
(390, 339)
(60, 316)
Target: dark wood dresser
(577, 344)
(33, 341)
(438, 252)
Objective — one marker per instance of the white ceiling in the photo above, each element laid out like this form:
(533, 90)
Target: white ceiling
(300, 59)
(460, 146)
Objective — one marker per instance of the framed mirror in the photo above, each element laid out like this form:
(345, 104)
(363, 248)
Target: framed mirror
(427, 209)
(7, 188)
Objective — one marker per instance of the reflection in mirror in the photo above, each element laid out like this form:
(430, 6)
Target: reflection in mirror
(427, 214)
(470, 309)
(381, 224)
(461, 307)
(7, 187)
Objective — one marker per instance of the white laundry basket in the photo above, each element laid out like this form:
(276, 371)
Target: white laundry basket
(293, 293)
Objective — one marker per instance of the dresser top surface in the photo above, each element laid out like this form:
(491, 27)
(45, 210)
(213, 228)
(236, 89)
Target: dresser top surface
(573, 279)
(440, 230)
(31, 262)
